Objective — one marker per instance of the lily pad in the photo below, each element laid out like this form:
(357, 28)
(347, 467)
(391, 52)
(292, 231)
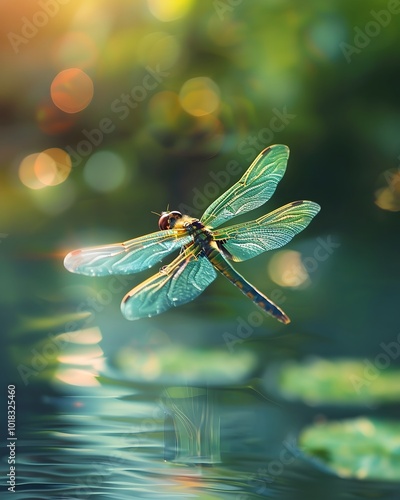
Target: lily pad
(177, 365)
(361, 448)
(340, 381)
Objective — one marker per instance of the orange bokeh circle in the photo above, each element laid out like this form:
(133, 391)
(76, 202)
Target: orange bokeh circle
(72, 90)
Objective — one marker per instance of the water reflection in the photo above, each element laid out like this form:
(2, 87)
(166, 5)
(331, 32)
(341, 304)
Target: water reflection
(192, 433)
(124, 441)
(151, 417)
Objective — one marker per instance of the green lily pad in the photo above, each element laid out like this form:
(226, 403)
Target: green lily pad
(171, 365)
(340, 381)
(361, 448)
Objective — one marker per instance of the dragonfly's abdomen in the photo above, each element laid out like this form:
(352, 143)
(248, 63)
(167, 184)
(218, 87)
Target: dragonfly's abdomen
(244, 286)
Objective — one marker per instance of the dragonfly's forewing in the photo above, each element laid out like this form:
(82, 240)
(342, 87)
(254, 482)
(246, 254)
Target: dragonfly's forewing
(253, 189)
(273, 230)
(125, 258)
(179, 282)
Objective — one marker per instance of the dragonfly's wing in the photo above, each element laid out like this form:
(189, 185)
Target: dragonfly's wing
(179, 282)
(255, 187)
(244, 241)
(125, 258)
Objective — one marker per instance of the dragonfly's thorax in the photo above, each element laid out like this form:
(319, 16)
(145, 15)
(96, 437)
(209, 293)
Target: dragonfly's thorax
(201, 235)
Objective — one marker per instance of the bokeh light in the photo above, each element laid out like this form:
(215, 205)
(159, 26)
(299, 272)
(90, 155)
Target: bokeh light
(169, 10)
(105, 171)
(72, 90)
(199, 96)
(287, 269)
(386, 199)
(52, 166)
(48, 168)
(27, 174)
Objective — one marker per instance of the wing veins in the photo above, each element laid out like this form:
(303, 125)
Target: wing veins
(249, 239)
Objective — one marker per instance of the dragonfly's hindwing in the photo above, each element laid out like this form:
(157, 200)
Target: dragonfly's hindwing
(271, 231)
(179, 282)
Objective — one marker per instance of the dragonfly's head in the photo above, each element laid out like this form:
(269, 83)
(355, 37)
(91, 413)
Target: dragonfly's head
(168, 219)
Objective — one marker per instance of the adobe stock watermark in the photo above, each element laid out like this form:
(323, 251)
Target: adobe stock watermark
(267, 475)
(249, 148)
(245, 327)
(222, 7)
(47, 9)
(42, 357)
(120, 109)
(363, 36)
(374, 367)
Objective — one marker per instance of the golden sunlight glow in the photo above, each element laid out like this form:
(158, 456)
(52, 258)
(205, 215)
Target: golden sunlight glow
(84, 336)
(287, 269)
(90, 356)
(75, 376)
(72, 90)
(199, 96)
(52, 166)
(81, 359)
(169, 10)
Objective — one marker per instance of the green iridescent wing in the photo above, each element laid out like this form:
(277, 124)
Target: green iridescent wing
(125, 258)
(179, 282)
(253, 189)
(273, 230)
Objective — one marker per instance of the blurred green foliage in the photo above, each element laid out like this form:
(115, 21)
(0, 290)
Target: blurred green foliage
(271, 72)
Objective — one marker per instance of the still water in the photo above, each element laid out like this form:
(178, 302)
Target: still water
(182, 405)
(161, 418)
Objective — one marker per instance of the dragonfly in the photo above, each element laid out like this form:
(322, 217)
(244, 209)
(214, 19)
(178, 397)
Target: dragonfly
(205, 248)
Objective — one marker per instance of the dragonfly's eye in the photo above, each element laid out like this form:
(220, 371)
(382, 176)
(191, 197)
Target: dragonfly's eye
(167, 219)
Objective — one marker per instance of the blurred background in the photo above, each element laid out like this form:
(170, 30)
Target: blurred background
(113, 110)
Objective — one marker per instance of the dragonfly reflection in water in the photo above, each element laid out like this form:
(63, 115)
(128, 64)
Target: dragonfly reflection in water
(204, 249)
